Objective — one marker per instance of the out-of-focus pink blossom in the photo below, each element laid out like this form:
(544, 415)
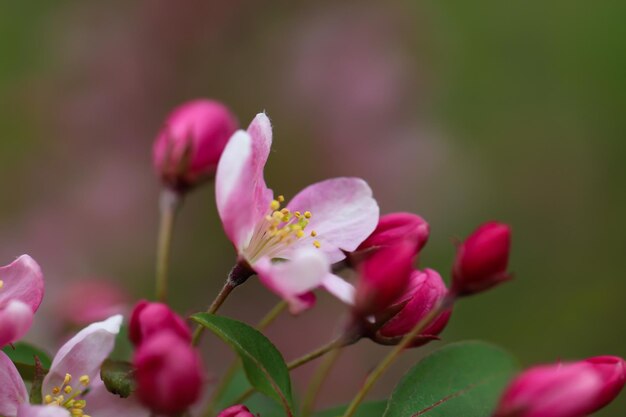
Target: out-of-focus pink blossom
(21, 291)
(74, 369)
(236, 411)
(482, 260)
(383, 277)
(91, 300)
(395, 227)
(425, 291)
(612, 370)
(563, 390)
(331, 216)
(169, 373)
(191, 142)
(149, 319)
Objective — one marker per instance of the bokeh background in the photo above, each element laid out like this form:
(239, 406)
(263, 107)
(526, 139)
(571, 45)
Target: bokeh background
(459, 111)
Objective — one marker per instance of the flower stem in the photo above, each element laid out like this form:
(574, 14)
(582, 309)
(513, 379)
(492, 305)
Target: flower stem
(170, 203)
(317, 382)
(232, 370)
(215, 306)
(391, 357)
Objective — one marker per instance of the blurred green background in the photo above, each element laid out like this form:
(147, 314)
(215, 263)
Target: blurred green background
(459, 111)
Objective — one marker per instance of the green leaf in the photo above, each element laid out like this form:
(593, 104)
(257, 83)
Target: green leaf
(23, 356)
(118, 377)
(373, 409)
(264, 365)
(462, 379)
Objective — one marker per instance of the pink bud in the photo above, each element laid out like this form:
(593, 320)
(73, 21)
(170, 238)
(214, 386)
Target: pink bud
(396, 227)
(189, 146)
(168, 373)
(481, 261)
(612, 370)
(148, 319)
(383, 277)
(561, 390)
(425, 291)
(236, 411)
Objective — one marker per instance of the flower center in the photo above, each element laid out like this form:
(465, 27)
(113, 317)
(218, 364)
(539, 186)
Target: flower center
(67, 397)
(277, 230)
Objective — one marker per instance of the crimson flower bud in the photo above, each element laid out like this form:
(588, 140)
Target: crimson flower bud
(383, 277)
(425, 291)
(481, 261)
(168, 372)
(612, 370)
(236, 411)
(562, 390)
(396, 227)
(148, 319)
(189, 146)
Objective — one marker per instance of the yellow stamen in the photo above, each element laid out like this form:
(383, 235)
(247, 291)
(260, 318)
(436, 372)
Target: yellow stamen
(47, 399)
(275, 205)
(1, 284)
(317, 244)
(84, 380)
(281, 198)
(67, 390)
(313, 233)
(67, 379)
(56, 390)
(307, 214)
(300, 234)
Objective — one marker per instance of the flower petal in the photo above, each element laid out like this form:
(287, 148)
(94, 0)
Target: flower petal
(241, 194)
(344, 214)
(83, 354)
(102, 403)
(293, 279)
(22, 280)
(27, 410)
(15, 321)
(340, 288)
(12, 389)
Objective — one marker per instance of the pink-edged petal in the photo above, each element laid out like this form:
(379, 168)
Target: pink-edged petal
(240, 191)
(27, 410)
(101, 403)
(344, 214)
(83, 354)
(12, 389)
(293, 279)
(15, 321)
(340, 288)
(22, 280)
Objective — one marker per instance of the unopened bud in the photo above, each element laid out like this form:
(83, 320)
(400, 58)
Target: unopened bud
(236, 411)
(148, 319)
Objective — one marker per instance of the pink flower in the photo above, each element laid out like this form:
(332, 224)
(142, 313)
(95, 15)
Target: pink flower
(21, 291)
(148, 319)
(481, 261)
(331, 216)
(425, 291)
(612, 370)
(189, 146)
(236, 411)
(383, 277)
(168, 373)
(562, 390)
(74, 374)
(395, 227)
(87, 301)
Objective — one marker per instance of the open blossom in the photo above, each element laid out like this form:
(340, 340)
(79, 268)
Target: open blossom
(236, 411)
(73, 385)
(331, 216)
(482, 260)
(563, 390)
(191, 142)
(21, 291)
(425, 291)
